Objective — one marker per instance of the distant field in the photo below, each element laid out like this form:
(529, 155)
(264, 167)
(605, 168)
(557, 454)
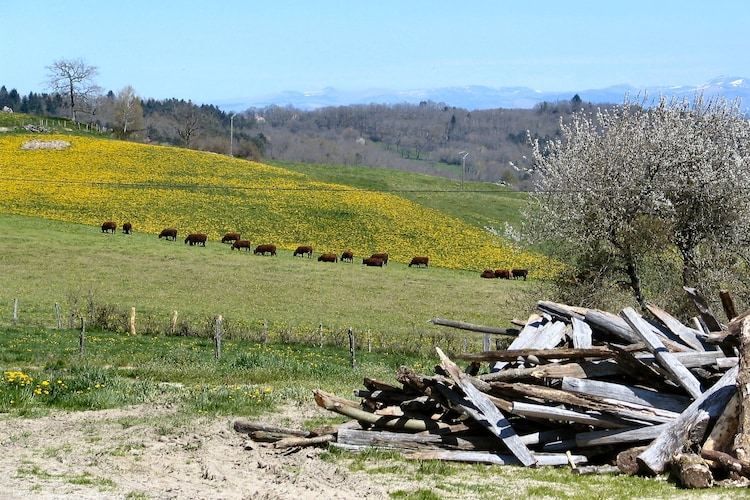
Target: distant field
(155, 187)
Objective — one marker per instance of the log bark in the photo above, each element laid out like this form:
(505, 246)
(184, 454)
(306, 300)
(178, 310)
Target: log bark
(692, 471)
(585, 369)
(728, 304)
(401, 441)
(627, 462)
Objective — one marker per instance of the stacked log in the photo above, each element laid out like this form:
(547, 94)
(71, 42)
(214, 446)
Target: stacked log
(592, 390)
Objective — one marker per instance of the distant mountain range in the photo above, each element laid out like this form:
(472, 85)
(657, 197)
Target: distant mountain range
(474, 97)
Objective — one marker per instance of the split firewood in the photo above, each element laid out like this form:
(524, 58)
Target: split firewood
(728, 304)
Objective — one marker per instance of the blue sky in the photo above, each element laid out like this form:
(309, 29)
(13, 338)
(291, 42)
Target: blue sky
(208, 52)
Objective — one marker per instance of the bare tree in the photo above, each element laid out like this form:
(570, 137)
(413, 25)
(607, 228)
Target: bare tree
(635, 190)
(75, 79)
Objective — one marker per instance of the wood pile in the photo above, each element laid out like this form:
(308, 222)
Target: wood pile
(599, 392)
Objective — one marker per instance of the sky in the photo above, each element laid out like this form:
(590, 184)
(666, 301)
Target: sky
(209, 52)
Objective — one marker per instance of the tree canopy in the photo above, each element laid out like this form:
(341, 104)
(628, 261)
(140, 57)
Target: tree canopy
(648, 199)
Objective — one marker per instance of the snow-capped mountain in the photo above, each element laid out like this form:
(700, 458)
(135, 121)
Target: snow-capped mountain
(480, 97)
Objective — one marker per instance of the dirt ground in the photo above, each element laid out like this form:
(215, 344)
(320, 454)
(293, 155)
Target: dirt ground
(97, 455)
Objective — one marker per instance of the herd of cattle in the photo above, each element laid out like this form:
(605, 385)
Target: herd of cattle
(505, 273)
(375, 260)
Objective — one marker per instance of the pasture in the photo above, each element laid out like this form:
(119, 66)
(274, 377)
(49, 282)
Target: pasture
(266, 298)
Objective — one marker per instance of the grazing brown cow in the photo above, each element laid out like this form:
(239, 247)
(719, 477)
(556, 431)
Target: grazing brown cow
(519, 273)
(488, 273)
(328, 257)
(347, 256)
(196, 239)
(230, 237)
(262, 249)
(127, 228)
(381, 256)
(373, 262)
(302, 250)
(420, 261)
(239, 244)
(502, 273)
(109, 227)
(169, 233)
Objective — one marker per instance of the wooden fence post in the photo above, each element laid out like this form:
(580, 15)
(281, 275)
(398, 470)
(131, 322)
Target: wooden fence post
(320, 334)
(15, 312)
(264, 334)
(82, 338)
(352, 363)
(132, 321)
(57, 315)
(217, 338)
(174, 323)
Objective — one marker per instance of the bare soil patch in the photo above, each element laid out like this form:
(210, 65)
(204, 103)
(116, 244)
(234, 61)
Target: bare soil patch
(99, 455)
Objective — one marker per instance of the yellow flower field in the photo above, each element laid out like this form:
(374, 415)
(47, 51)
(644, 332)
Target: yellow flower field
(154, 187)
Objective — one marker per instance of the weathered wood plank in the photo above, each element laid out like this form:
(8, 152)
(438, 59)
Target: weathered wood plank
(485, 412)
(679, 433)
(565, 415)
(680, 374)
(647, 398)
(689, 336)
(543, 459)
(582, 338)
(410, 441)
(620, 436)
(585, 369)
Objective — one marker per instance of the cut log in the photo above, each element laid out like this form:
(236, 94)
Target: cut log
(692, 471)
(564, 415)
(627, 462)
(680, 375)
(562, 312)
(485, 412)
(474, 328)
(595, 469)
(679, 434)
(726, 461)
(297, 442)
(535, 335)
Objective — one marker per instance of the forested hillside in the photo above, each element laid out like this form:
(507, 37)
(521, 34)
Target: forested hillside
(430, 138)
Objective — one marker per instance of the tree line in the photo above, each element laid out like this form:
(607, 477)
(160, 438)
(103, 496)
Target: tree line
(430, 138)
